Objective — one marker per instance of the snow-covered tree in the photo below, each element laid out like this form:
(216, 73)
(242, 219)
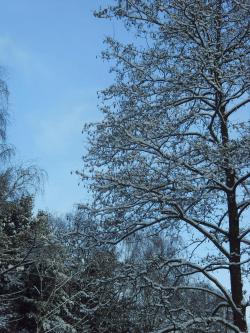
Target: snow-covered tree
(172, 152)
(5, 150)
(15, 219)
(17, 184)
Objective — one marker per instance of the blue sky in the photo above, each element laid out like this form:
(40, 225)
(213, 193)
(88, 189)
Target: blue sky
(48, 49)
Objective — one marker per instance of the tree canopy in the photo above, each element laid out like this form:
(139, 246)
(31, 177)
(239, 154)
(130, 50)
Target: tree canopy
(172, 152)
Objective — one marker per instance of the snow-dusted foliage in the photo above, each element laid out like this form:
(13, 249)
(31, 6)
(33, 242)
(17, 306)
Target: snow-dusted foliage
(172, 152)
(34, 294)
(5, 150)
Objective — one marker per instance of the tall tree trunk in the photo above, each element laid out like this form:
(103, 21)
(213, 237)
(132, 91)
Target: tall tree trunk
(235, 258)
(239, 316)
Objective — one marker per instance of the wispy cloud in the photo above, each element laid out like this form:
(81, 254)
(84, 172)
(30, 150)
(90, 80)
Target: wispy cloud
(16, 57)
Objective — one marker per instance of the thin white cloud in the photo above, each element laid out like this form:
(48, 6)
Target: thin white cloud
(16, 57)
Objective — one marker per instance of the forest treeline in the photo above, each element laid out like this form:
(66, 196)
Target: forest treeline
(168, 173)
(52, 280)
(56, 278)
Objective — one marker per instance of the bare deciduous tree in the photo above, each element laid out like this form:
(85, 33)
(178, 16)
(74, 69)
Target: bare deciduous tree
(172, 152)
(5, 150)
